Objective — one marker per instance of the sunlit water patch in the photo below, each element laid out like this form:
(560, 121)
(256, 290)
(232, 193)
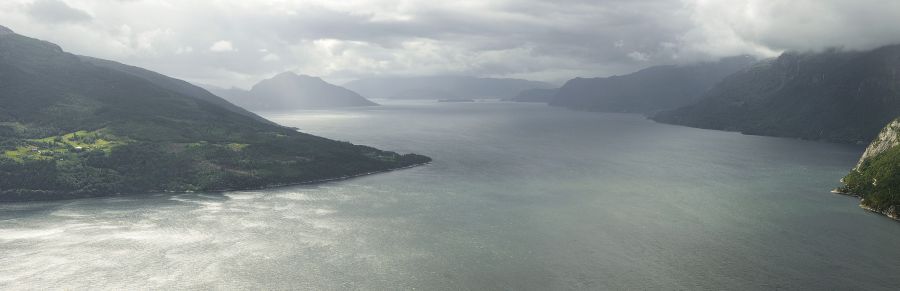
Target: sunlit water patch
(519, 196)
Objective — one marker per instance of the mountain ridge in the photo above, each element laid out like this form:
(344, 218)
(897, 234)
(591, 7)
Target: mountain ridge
(289, 91)
(647, 90)
(838, 96)
(180, 86)
(6, 30)
(70, 127)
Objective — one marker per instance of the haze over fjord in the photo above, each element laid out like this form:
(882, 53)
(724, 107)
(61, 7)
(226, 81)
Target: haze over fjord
(239, 43)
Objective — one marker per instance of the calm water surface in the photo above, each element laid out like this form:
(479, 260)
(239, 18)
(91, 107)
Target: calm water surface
(519, 196)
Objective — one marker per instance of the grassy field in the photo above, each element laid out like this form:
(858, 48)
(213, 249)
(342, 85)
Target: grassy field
(59, 147)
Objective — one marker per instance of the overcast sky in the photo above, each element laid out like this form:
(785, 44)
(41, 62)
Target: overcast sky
(238, 42)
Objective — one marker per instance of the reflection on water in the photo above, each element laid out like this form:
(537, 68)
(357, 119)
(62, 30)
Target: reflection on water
(519, 197)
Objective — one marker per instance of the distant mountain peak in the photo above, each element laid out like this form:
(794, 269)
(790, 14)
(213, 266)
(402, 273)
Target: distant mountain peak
(286, 74)
(5, 30)
(293, 75)
(188, 138)
(289, 90)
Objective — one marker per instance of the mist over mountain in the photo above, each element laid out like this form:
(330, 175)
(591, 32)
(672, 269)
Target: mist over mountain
(442, 87)
(176, 85)
(535, 95)
(648, 90)
(75, 126)
(426, 93)
(288, 91)
(571, 145)
(840, 96)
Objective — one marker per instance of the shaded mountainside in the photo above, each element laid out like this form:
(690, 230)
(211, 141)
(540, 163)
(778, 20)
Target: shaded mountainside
(77, 127)
(172, 84)
(832, 96)
(648, 90)
(535, 95)
(289, 91)
(437, 87)
(876, 178)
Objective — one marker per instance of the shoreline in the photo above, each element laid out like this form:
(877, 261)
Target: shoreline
(73, 196)
(891, 212)
(744, 132)
(341, 178)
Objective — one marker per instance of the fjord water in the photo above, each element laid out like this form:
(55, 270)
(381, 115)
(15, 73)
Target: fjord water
(519, 196)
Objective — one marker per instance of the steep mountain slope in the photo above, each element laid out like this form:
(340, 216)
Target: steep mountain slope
(172, 84)
(459, 86)
(535, 95)
(832, 96)
(648, 90)
(231, 94)
(72, 128)
(287, 91)
(876, 178)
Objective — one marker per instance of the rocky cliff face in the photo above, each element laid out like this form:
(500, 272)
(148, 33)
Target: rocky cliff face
(887, 139)
(890, 211)
(876, 177)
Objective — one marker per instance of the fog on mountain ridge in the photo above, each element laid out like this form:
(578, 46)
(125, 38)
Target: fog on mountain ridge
(442, 87)
(290, 91)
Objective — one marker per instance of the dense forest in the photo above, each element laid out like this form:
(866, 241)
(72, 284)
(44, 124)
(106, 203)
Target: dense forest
(877, 181)
(876, 178)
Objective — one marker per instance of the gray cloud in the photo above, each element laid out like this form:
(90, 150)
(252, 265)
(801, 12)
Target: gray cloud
(537, 39)
(56, 11)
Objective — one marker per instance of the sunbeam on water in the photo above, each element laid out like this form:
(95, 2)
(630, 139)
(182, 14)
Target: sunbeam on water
(518, 197)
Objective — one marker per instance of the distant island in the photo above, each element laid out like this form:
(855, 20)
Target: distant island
(648, 90)
(441, 87)
(836, 96)
(73, 126)
(458, 100)
(290, 91)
